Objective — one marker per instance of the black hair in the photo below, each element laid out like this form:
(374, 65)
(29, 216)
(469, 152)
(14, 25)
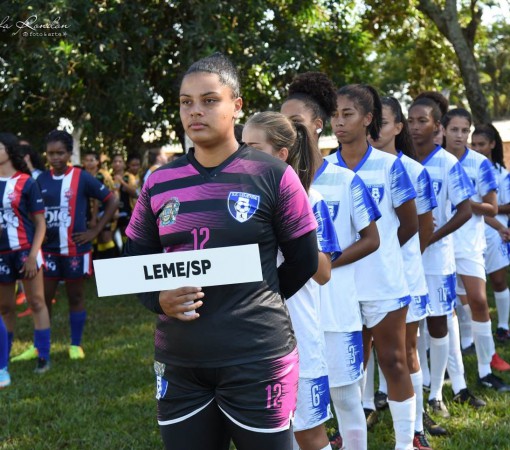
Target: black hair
(439, 99)
(429, 103)
(403, 140)
(367, 99)
(35, 156)
(490, 132)
(317, 92)
(93, 153)
(222, 66)
(13, 150)
(132, 156)
(60, 136)
(457, 112)
(238, 132)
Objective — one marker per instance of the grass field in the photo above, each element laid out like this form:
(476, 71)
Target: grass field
(107, 400)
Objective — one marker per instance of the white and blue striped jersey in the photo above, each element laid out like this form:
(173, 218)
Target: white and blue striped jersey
(469, 239)
(380, 275)
(451, 186)
(304, 305)
(425, 202)
(352, 209)
(503, 181)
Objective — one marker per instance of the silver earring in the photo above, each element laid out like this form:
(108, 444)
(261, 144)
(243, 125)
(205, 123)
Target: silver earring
(319, 130)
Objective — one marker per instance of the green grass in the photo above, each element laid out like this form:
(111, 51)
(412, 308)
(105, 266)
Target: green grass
(107, 400)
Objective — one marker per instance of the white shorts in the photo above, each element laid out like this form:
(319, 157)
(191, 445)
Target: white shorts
(496, 254)
(419, 308)
(344, 355)
(469, 267)
(441, 293)
(373, 312)
(312, 407)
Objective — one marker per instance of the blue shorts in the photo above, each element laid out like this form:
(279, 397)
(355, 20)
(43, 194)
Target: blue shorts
(12, 262)
(65, 267)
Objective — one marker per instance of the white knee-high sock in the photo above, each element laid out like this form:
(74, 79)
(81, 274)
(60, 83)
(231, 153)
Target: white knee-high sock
(417, 380)
(438, 359)
(383, 386)
(484, 345)
(455, 364)
(351, 418)
(503, 307)
(368, 390)
(466, 333)
(404, 416)
(422, 352)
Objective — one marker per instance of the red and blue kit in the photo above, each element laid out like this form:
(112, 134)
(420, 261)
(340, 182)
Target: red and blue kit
(66, 201)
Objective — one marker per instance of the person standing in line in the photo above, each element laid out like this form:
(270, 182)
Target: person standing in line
(231, 369)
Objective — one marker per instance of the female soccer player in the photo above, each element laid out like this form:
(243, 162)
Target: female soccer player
(276, 135)
(384, 300)
(451, 187)
(487, 141)
(22, 232)
(67, 249)
(231, 369)
(153, 158)
(469, 246)
(312, 102)
(394, 138)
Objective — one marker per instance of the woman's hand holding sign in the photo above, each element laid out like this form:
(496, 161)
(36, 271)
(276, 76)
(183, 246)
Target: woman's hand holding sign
(181, 303)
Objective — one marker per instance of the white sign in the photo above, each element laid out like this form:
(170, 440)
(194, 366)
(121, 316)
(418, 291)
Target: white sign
(163, 271)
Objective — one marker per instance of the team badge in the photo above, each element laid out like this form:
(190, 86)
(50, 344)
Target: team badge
(161, 387)
(159, 368)
(11, 196)
(242, 206)
(74, 263)
(333, 208)
(169, 213)
(377, 192)
(436, 185)
(68, 194)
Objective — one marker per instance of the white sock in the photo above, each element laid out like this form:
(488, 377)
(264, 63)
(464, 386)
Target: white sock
(503, 307)
(438, 359)
(351, 418)
(455, 364)
(404, 416)
(328, 447)
(464, 314)
(295, 445)
(368, 387)
(484, 345)
(383, 387)
(422, 352)
(417, 380)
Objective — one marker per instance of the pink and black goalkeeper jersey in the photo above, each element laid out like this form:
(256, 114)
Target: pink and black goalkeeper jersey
(66, 201)
(19, 197)
(250, 198)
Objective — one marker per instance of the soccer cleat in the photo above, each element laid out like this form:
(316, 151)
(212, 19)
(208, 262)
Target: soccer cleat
(469, 350)
(381, 400)
(43, 365)
(494, 382)
(465, 396)
(21, 298)
(371, 416)
(27, 355)
(420, 441)
(438, 408)
(336, 441)
(5, 378)
(76, 352)
(432, 427)
(502, 335)
(27, 312)
(499, 364)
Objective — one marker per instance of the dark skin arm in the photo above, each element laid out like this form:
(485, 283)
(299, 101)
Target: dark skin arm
(426, 229)
(368, 243)
(408, 218)
(504, 209)
(111, 205)
(462, 215)
(488, 207)
(323, 274)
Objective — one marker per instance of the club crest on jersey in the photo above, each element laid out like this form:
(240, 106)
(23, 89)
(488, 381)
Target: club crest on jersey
(242, 206)
(436, 185)
(333, 208)
(68, 194)
(169, 213)
(377, 192)
(11, 196)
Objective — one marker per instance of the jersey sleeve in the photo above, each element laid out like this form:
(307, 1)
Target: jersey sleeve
(504, 190)
(486, 179)
(94, 188)
(363, 207)
(425, 197)
(143, 226)
(402, 189)
(294, 216)
(327, 240)
(460, 187)
(34, 198)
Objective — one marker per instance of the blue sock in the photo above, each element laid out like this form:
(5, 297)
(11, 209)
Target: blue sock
(77, 322)
(10, 338)
(4, 345)
(42, 343)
